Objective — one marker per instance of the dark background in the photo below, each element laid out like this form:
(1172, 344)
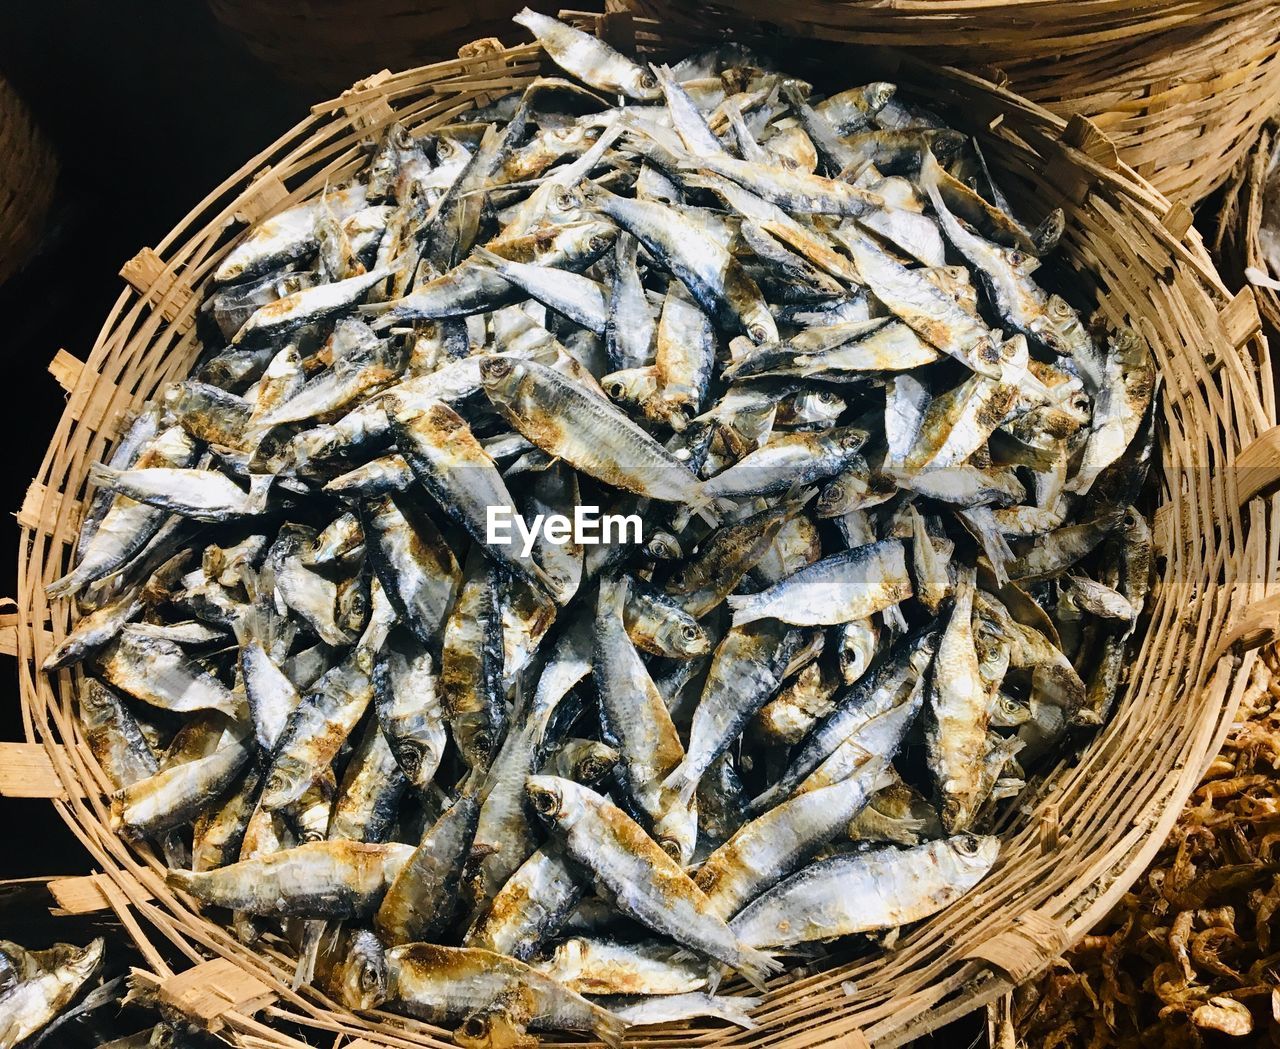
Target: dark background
(148, 105)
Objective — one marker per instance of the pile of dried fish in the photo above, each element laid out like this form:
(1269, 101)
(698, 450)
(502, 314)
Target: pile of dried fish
(36, 987)
(1187, 955)
(888, 554)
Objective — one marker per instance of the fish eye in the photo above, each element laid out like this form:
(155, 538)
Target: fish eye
(591, 769)
(663, 546)
(671, 847)
(968, 844)
(483, 741)
(369, 977)
(474, 1027)
(690, 632)
(493, 368)
(410, 756)
(828, 397)
(545, 802)
(599, 242)
(617, 390)
(1059, 305)
(648, 81)
(757, 333)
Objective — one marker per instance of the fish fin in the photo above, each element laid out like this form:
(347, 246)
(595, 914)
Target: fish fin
(756, 966)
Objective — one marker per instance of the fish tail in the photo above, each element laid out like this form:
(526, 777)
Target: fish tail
(735, 1010)
(762, 801)
(1045, 236)
(67, 585)
(610, 1028)
(756, 966)
(683, 781)
(102, 476)
(613, 595)
(186, 881)
(739, 606)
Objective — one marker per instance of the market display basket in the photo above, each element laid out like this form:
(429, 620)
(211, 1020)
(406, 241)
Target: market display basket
(28, 170)
(1080, 836)
(324, 45)
(1181, 86)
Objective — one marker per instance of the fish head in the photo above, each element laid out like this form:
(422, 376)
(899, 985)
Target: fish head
(595, 763)
(663, 546)
(500, 375)
(878, 94)
(473, 732)
(676, 831)
(1010, 712)
(631, 385)
(97, 704)
(976, 852)
(492, 1028)
(839, 496)
(363, 976)
(286, 782)
(415, 755)
(683, 635)
(547, 796)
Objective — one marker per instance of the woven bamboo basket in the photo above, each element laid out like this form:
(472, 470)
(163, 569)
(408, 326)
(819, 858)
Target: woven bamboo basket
(28, 170)
(1236, 244)
(1084, 833)
(1181, 87)
(324, 45)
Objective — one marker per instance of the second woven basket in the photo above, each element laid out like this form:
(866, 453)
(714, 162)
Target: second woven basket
(1181, 86)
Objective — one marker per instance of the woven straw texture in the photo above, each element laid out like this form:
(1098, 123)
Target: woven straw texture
(324, 45)
(28, 170)
(1236, 244)
(1182, 88)
(1087, 830)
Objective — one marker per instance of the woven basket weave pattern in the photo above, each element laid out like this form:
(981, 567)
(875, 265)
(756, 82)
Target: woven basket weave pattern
(1182, 88)
(1093, 825)
(28, 170)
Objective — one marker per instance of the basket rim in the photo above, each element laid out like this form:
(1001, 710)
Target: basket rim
(164, 302)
